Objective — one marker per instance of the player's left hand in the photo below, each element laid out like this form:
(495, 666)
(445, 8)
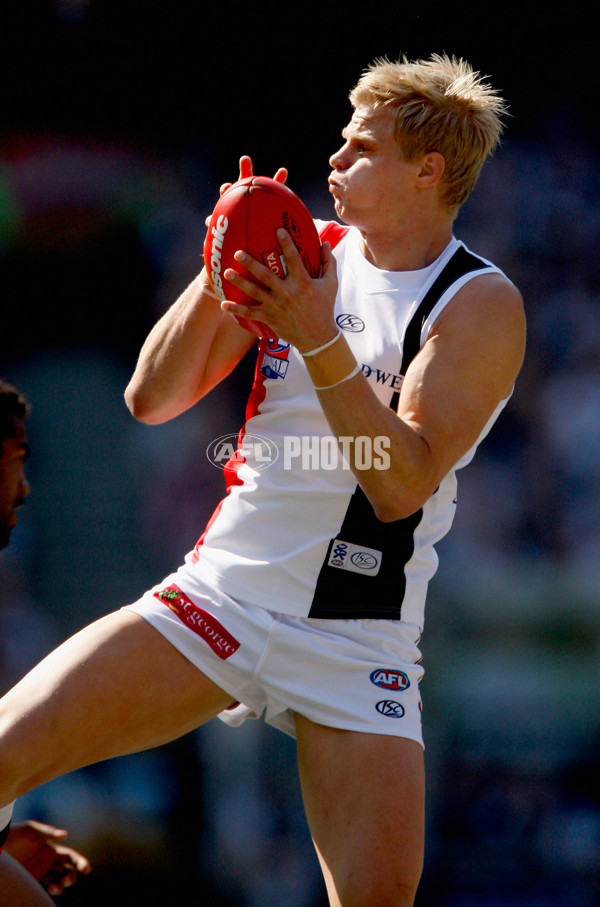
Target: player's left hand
(38, 848)
(298, 308)
(247, 170)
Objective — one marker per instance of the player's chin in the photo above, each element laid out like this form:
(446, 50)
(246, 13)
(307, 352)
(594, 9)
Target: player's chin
(335, 193)
(340, 208)
(345, 216)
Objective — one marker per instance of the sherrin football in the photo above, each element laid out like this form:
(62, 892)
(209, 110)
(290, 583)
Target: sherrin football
(246, 217)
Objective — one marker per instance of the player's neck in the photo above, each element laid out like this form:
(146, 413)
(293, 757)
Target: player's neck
(407, 247)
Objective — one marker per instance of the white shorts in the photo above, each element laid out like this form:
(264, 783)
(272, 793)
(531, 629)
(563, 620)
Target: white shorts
(357, 675)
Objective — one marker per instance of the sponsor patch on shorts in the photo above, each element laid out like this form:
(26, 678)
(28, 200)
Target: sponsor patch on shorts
(199, 621)
(390, 709)
(356, 558)
(390, 679)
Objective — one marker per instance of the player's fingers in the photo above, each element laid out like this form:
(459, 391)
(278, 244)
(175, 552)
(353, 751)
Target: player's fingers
(293, 259)
(57, 880)
(258, 289)
(281, 175)
(327, 260)
(73, 859)
(259, 271)
(249, 312)
(246, 168)
(68, 865)
(329, 268)
(47, 831)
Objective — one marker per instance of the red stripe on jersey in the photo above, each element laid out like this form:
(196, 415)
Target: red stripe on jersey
(332, 232)
(231, 468)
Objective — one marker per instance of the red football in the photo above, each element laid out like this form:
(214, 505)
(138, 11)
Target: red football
(246, 217)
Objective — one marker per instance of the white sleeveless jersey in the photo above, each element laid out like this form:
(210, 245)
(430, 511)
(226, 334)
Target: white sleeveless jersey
(295, 534)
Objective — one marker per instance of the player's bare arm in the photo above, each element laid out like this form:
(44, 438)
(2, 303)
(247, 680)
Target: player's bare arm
(468, 365)
(193, 347)
(466, 368)
(189, 350)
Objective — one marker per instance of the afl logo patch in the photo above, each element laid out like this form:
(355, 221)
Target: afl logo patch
(351, 323)
(390, 679)
(390, 709)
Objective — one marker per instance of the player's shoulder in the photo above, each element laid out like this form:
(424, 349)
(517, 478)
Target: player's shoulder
(486, 314)
(480, 279)
(482, 294)
(491, 290)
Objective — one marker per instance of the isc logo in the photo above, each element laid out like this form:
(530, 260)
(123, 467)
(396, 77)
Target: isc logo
(390, 709)
(390, 679)
(356, 558)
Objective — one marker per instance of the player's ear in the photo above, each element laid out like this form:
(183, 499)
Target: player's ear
(432, 168)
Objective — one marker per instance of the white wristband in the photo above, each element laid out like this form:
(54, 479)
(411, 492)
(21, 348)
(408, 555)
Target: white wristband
(319, 349)
(354, 372)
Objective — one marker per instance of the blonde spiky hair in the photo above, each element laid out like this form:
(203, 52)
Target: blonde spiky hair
(442, 105)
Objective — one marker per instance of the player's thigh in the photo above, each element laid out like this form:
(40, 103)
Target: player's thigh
(18, 888)
(116, 687)
(364, 796)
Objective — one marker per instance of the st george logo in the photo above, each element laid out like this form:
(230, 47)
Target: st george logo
(390, 679)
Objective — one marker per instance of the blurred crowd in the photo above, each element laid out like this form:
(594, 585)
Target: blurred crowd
(96, 239)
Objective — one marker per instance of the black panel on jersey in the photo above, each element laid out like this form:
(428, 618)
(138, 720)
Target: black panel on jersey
(344, 594)
(462, 262)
